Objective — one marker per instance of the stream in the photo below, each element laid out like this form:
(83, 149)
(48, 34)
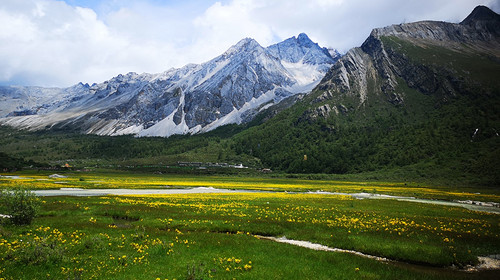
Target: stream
(486, 269)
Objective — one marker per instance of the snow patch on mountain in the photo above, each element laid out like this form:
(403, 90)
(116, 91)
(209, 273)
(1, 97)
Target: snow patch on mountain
(305, 74)
(167, 127)
(219, 65)
(134, 129)
(238, 116)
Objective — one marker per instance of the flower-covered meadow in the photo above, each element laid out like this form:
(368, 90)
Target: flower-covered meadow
(114, 179)
(202, 236)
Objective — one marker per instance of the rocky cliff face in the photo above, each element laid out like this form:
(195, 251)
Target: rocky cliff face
(410, 54)
(231, 88)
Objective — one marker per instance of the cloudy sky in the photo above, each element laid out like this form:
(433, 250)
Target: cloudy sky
(60, 43)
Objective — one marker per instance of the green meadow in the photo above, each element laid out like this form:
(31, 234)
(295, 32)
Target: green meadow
(220, 236)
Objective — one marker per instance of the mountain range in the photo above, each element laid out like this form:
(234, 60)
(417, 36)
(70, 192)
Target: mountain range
(415, 101)
(231, 88)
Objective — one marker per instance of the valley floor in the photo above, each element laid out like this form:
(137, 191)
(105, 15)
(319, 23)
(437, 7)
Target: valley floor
(231, 230)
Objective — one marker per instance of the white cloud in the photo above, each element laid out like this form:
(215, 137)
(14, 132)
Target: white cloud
(49, 42)
(221, 26)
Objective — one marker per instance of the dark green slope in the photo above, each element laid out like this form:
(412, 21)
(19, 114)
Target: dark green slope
(59, 147)
(8, 163)
(397, 103)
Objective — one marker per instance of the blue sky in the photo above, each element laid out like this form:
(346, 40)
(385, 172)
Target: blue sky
(60, 43)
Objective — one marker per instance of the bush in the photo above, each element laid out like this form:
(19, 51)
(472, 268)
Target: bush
(21, 205)
(40, 251)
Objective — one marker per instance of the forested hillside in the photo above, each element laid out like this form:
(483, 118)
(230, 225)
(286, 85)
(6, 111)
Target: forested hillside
(425, 104)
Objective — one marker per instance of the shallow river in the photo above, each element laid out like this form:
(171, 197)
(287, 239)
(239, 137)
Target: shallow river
(103, 192)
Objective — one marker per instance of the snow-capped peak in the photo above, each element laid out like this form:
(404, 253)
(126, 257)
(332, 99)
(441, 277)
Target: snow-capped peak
(301, 48)
(243, 46)
(230, 88)
(304, 41)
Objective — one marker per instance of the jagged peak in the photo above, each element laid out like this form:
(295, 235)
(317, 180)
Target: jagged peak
(334, 53)
(303, 35)
(481, 13)
(481, 17)
(80, 85)
(294, 49)
(244, 45)
(303, 39)
(247, 41)
(482, 24)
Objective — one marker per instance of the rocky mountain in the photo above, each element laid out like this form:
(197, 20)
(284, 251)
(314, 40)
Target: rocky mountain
(297, 52)
(393, 55)
(230, 88)
(20, 100)
(424, 96)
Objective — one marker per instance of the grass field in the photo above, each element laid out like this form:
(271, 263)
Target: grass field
(201, 236)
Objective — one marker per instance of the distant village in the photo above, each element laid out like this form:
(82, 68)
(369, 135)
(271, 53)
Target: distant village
(209, 164)
(204, 165)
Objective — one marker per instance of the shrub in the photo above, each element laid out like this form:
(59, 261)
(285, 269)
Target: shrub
(21, 205)
(41, 251)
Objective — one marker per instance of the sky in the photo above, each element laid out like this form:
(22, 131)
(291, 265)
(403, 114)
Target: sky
(60, 43)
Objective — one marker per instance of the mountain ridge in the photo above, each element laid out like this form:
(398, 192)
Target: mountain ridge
(230, 88)
(416, 96)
